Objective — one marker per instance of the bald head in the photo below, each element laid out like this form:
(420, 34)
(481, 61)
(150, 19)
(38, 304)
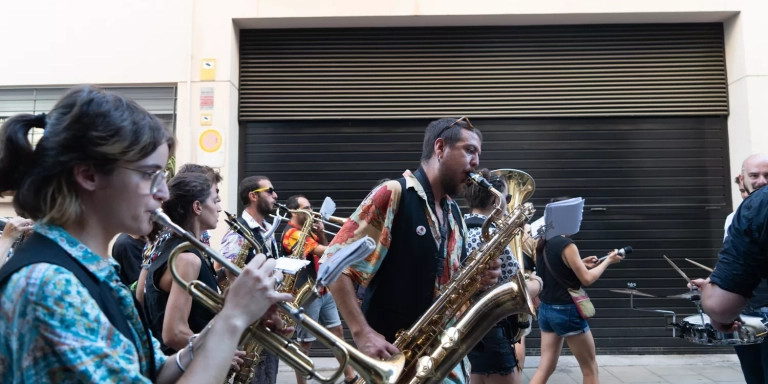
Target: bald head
(754, 172)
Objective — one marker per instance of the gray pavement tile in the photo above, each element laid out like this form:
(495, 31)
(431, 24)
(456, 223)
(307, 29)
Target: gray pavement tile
(671, 370)
(686, 379)
(633, 374)
(725, 375)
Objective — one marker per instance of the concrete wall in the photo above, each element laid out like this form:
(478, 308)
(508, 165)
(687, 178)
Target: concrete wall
(50, 42)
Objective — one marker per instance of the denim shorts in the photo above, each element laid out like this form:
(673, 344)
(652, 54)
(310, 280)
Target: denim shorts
(561, 319)
(494, 354)
(323, 310)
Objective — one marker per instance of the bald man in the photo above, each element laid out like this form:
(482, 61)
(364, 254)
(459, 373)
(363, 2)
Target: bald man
(738, 283)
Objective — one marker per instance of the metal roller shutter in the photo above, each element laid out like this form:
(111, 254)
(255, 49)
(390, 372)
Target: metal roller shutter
(657, 184)
(502, 71)
(631, 117)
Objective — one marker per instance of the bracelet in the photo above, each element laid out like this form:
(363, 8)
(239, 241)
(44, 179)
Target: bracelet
(190, 347)
(541, 285)
(178, 363)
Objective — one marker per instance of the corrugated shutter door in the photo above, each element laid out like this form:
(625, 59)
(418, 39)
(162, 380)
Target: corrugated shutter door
(501, 71)
(630, 117)
(657, 184)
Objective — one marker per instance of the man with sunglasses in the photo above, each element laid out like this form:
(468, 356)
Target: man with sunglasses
(258, 196)
(421, 241)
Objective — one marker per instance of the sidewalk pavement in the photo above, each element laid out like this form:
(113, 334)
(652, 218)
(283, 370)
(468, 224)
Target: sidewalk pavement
(614, 369)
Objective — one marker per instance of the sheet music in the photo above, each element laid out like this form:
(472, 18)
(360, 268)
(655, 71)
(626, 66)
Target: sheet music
(560, 218)
(290, 265)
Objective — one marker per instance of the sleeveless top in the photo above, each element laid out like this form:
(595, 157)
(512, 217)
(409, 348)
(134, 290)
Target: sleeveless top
(156, 300)
(553, 291)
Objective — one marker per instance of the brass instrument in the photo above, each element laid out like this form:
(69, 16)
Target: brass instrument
(289, 280)
(520, 186)
(247, 343)
(372, 370)
(430, 346)
(333, 220)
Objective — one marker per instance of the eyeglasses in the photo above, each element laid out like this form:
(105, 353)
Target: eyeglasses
(157, 178)
(459, 120)
(268, 190)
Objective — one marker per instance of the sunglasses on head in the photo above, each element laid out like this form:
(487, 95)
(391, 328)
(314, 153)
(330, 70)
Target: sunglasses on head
(467, 125)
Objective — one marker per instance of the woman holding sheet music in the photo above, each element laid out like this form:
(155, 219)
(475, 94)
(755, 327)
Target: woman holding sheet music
(561, 267)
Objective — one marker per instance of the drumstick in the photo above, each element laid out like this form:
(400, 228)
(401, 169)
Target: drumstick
(702, 266)
(680, 271)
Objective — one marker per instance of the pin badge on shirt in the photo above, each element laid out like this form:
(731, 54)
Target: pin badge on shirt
(420, 230)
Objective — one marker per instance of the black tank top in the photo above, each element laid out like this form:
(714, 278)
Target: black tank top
(155, 299)
(553, 291)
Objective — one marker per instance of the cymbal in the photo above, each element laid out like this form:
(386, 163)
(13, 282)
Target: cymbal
(632, 292)
(687, 295)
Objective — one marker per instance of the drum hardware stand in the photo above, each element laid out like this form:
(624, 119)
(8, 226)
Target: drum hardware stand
(632, 289)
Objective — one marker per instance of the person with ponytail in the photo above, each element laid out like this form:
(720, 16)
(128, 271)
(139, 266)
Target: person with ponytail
(173, 315)
(64, 314)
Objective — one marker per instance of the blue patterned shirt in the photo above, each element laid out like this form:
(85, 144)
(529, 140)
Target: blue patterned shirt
(53, 331)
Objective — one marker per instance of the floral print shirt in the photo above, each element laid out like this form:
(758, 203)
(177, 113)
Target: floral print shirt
(53, 331)
(374, 217)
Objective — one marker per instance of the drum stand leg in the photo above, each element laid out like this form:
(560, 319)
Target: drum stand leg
(664, 311)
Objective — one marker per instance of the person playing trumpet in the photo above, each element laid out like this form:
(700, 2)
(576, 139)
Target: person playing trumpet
(100, 163)
(323, 309)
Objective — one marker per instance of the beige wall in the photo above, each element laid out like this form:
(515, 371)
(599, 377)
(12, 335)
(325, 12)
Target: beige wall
(163, 42)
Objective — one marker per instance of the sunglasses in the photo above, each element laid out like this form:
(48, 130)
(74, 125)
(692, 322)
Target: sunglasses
(268, 190)
(467, 125)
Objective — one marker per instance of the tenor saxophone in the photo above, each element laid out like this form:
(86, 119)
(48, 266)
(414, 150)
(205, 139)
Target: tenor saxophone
(289, 280)
(248, 342)
(432, 346)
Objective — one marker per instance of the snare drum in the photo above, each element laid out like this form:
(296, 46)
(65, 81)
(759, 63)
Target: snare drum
(752, 331)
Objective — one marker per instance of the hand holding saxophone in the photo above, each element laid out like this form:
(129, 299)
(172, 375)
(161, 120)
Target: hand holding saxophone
(253, 293)
(491, 275)
(373, 344)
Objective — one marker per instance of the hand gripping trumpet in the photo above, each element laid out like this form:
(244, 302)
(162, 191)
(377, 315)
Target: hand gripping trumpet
(372, 370)
(432, 345)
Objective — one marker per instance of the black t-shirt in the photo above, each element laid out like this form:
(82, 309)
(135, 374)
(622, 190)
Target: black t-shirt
(743, 261)
(127, 252)
(553, 291)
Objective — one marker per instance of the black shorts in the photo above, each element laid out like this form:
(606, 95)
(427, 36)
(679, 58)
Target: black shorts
(494, 354)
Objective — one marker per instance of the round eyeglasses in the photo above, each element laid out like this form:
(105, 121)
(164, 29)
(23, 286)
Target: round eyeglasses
(157, 177)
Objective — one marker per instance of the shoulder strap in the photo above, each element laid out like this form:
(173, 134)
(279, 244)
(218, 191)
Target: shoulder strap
(40, 249)
(546, 262)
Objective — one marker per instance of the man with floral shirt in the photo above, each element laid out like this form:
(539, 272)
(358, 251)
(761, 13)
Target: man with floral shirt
(421, 240)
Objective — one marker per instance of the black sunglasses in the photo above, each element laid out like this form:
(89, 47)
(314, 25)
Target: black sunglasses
(468, 125)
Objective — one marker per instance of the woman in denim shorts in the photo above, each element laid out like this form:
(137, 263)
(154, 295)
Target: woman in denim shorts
(558, 318)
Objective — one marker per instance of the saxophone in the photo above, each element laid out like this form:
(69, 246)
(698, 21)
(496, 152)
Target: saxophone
(289, 280)
(432, 347)
(248, 342)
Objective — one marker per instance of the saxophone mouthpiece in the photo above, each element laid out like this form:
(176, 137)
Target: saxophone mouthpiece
(481, 181)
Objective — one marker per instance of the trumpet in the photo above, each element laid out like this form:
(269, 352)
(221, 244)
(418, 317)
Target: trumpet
(374, 371)
(331, 221)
